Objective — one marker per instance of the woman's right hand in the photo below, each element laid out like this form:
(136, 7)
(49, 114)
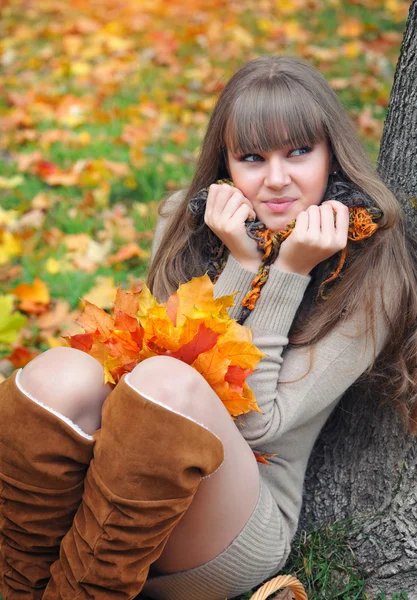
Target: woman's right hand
(226, 212)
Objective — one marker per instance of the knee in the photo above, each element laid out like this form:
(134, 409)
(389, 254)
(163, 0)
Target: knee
(65, 379)
(163, 377)
(178, 386)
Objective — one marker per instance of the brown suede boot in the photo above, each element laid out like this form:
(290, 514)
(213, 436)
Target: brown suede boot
(147, 465)
(43, 462)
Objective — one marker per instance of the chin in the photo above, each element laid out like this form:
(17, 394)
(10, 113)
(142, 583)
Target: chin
(276, 224)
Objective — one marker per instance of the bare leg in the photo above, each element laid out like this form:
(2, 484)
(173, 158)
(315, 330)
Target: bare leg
(70, 382)
(224, 501)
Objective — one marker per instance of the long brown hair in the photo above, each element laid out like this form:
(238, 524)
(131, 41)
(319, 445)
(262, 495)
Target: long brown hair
(276, 101)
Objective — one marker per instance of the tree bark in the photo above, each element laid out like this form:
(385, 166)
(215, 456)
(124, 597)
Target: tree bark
(397, 161)
(364, 464)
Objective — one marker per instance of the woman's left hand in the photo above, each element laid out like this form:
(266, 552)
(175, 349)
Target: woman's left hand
(319, 232)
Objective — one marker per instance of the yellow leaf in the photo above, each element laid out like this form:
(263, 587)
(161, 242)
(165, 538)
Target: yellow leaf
(10, 321)
(162, 333)
(54, 266)
(194, 295)
(9, 246)
(243, 354)
(11, 183)
(54, 342)
(79, 68)
(8, 217)
(353, 49)
(84, 137)
(146, 303)
(107, 375)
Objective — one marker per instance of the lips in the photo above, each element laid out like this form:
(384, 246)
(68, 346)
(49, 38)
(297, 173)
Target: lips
(279, 205)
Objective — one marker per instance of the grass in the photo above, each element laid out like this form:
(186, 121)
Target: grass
(324, 562)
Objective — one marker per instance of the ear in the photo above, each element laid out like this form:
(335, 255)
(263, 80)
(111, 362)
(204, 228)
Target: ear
(333, 162)
(334, 167)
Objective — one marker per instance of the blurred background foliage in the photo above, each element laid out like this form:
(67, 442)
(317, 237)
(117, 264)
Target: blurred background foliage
(103, 106)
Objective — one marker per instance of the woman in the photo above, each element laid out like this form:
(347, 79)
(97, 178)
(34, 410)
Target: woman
(280, 136)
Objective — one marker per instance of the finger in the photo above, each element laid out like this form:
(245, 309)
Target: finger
(301, 223)
(232, 205)
(314, 221)
(327, 217)
(237, 219)
(341, 221)
(217, 198)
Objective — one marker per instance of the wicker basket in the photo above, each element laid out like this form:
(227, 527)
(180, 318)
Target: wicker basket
(279, 583)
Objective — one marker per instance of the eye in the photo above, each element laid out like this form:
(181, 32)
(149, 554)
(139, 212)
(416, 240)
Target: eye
(251, 158)
(301, 151)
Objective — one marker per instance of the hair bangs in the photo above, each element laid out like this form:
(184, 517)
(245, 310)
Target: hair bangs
(267, 118)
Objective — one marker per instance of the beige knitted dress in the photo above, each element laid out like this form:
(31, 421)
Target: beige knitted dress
(296, 399)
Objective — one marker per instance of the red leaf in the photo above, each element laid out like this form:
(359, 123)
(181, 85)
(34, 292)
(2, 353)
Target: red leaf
(21, 356)
(205, 339)
(81, 341)
(137, 336)
(236, 376)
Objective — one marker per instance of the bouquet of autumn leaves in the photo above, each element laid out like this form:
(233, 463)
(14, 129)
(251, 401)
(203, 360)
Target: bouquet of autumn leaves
(191, 326)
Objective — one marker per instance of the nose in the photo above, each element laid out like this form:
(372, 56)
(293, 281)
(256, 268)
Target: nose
(277, 175)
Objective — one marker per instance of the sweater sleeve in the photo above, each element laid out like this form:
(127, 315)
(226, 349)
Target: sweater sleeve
(295, 385)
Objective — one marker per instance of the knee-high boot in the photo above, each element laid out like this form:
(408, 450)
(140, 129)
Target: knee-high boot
(148, 462)
(43, 461)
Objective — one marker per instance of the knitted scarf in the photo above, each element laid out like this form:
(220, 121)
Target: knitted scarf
(362, 225)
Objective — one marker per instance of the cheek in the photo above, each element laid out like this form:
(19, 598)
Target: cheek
(246, 180)
(317, 181)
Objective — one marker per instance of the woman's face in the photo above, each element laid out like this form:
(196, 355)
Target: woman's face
(282, 183)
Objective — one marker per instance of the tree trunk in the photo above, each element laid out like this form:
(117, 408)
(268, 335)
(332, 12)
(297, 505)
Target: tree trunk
(364, 465)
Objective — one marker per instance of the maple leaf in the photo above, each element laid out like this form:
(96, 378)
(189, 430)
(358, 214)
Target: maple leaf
(236, 376)
(95, 320)
(204, 340)
(146, 304)
(81, 341)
